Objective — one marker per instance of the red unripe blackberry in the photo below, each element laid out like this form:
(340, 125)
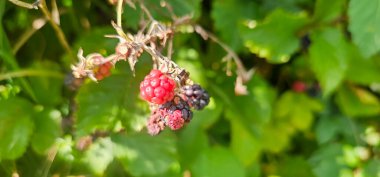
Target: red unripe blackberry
(103, 71)
(196, 96)
(157, 88)
(178, 104)
(299, 86)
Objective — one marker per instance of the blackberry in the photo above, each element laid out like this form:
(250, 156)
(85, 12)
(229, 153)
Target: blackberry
(177, 103)
(157, 87)
(196, 96)
(175, 120)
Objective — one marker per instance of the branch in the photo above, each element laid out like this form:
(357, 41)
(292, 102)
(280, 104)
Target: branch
(242, 72)
(37, 24)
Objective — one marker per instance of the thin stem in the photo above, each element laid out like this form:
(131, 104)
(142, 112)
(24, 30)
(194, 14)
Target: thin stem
(162, 60)
(240, 67)
(29, 72)
(57, 29)
(54, 12)
(37, 24)
(50, 159)
(146, 11)
(22, 40)
(170, 49)
(119, 11)
(170, 9)
(25, 4)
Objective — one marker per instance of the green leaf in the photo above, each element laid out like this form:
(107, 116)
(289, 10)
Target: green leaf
(2, 7)
(193, 138)
(191, 142)
(208, 116)
(325, 161)
(254, 170)
(142, 154)
(179, 8)
(188, 58)
(93, 41)
(301, 118)
(5, 48)
(327, 128)
(297, 109)
(364, 24)
(115, 98)
(65, 148)
(257, 109)
(288, 5)
(132, 17)
(229, 13)
(329, 58)
(182, 8)
(216, 162)
(294, 166)
(372, 168)
(350, 156)
(276, 37)
(48, 129)
(7, 57)
(282, 131)
(99, 156)
(361, 70)
(293, 111)
(245, 146)
(327, 11)
(356, 102)
(99, 104)
(16, 127)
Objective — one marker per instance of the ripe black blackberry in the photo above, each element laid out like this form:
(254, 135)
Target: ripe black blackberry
(177, 103)
(196, 96)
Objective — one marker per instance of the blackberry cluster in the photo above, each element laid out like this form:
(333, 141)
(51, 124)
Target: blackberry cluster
(171, 105)
(178, 104)
(196, 96)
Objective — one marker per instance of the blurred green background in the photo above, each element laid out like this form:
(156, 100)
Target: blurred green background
(311, 110)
